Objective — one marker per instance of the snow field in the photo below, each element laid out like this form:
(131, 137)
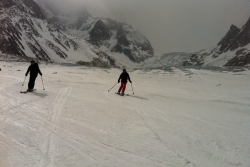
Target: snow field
(180, 118)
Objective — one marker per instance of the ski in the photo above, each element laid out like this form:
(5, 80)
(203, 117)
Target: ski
(24, 91)
(27, 91)
(121, 94)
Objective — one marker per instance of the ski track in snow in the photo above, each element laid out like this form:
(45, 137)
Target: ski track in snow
(58, 103)
(50, 144)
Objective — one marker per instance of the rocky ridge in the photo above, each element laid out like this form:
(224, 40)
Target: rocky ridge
(232, 50)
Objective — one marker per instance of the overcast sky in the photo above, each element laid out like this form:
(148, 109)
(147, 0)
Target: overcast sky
(174, 25)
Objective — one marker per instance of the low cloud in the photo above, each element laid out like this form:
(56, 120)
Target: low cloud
(171, 25)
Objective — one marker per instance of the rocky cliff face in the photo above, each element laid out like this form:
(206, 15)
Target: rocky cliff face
(132, 44)
(117, 37)
(242, 58)
(99, 33)
(243, 37)
(13, 23)
(232, 50)
(226, 42)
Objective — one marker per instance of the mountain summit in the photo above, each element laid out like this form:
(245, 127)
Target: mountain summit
(232, 50)
(117, 37)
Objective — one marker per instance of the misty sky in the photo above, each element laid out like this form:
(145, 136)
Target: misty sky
(174, 25)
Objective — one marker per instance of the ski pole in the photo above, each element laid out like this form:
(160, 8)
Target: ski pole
(42, 82)
(24, 80)
(132, 88)
(112, 87)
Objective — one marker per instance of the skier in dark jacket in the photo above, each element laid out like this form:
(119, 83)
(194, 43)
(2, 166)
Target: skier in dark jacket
(33, 70)
(124, 77)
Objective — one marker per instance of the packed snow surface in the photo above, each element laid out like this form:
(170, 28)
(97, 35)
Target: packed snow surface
(178, 118)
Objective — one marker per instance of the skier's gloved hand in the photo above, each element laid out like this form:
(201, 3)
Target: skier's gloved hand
(118, 81)
(130, 81)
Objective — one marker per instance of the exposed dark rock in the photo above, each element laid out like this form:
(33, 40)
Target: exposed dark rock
(38, 52)
(29, 27)
(241, 51)
(194, 59)
(56, 23)
(10, 38)
(58, 41)
(95, 63)
(242, 58)
(132, 48)
(228, 40)
(99, 33)
(74, 44)
(236, 38)
(111, 61)
(113, 25)
(57, 50)
(34, 8)
(243, 38)
(6, 4)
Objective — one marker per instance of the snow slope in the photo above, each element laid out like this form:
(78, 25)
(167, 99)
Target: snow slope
(182, 118)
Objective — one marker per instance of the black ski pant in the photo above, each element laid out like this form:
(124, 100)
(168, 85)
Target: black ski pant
(32, 82)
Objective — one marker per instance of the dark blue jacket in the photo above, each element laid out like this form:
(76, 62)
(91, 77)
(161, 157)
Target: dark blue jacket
(34, 70)
(124, 77)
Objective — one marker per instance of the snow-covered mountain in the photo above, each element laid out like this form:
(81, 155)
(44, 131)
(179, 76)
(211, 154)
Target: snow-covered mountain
(117, 37)
(27, 33)
(166, 59)
(232, 50)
